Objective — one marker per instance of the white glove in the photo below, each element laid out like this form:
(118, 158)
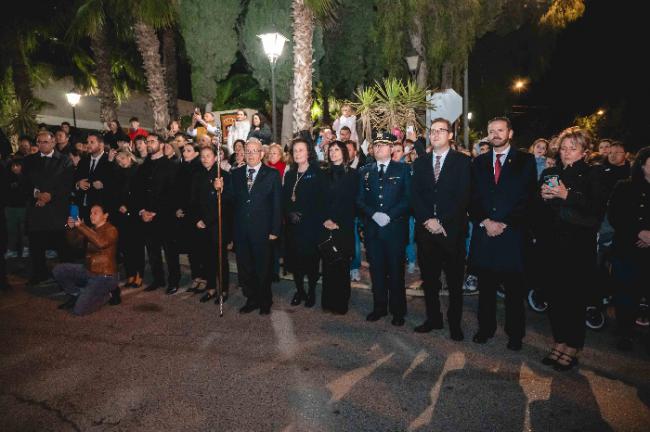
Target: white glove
(382, 219)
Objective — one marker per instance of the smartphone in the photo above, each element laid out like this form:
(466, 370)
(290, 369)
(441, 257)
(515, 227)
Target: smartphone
(197, 111)
(552, 180)
(74, 211)
(409, 129)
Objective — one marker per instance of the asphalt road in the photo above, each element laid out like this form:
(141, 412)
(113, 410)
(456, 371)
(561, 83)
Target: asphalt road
(169, 363)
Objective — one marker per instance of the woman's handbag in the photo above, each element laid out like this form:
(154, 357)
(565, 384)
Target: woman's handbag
(330, 252)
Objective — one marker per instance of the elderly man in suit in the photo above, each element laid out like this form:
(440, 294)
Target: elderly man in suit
(503, 185)
(440, 191)
(257, 198)
(49, 174)
(383, 201)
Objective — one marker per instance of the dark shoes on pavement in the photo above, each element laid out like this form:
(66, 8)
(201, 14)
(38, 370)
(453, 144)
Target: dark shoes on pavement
(481, 338)
(172, 289)
(298, 297)
(428, 326)
(248, 308)
(514, 344)
(154, 286)
(376, 315)
(397, 321)
(69, 303)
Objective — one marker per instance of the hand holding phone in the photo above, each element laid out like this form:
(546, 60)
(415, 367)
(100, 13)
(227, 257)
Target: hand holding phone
(552, 180)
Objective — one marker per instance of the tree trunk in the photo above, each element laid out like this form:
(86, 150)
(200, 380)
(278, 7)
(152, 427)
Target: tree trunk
(101, 51)
(149, 48)
(303, 32)
(20, 72)
(416, 35)
(447, 79)
(171, 74)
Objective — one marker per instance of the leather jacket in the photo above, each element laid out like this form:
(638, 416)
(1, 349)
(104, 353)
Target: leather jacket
(101, 251)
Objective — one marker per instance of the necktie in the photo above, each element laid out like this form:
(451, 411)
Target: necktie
(436, 168)
(497, 168)
(92, 165)
(381, 171)
(249, 180)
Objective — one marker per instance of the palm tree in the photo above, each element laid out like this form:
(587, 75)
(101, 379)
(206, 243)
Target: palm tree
(152, 15)
(304, 14)
(91, 20)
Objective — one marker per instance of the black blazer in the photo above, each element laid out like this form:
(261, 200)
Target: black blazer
(629, 214)
(508, 202)
(103, 172)
(53, 175)
(341, 188)
(448, 198)
(204, 202)
(153, 188)
(259, 213)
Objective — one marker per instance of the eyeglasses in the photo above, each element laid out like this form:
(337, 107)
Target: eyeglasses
(251, 152)
(438, 131)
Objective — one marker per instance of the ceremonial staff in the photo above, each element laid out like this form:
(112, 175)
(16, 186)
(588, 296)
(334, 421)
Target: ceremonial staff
(219, 226)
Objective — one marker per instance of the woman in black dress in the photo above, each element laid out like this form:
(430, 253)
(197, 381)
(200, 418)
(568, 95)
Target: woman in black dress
(302, 196)
(565, 230)
(341, 185)
(205, 218)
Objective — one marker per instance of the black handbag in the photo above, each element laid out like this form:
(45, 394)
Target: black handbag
(330, 252)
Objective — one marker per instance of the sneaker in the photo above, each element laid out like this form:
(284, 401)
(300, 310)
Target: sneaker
(536, 302)
(11, 254)
(643, 319)
(471, 285)
(25, 252)
(354, 275)
(501, 292)
(410, 268)
(595, 319)
(50, 254)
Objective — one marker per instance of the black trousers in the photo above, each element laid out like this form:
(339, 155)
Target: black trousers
(156, 238)
(3, 249)
(254, 260)
(209, 263)
(305, 265)
(336, 286)
(435, 254)
(631, 281)
(513, 283)
(567, 300)
(131, 244)
(386, 257)
(39, 242)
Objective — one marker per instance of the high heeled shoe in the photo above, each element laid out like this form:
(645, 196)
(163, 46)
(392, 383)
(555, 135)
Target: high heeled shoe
(561, 367)
(297, 298)
(208, 296)
(552, 357)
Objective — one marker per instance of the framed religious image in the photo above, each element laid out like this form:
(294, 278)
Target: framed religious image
(227, 120)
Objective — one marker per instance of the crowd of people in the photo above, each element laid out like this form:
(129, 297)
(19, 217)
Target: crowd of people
(569, 218)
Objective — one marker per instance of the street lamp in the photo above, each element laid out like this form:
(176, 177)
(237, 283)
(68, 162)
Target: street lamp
(601, 112)
(73, 99)
(519, 85)
(412, 62)
(469, 116)
(273, 44)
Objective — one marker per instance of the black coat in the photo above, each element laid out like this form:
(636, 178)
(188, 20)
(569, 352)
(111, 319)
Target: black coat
(610, 175)
(567, 228)
(447, 199)
(204, 202)
(18, 192)
(123, 194)
(111, 138)
(304, 216)
(53, 175)
(629, 214)
(263, 134)
(508, 202)
(257, 213)
(340, 195)
(103, 172)
(153, 188)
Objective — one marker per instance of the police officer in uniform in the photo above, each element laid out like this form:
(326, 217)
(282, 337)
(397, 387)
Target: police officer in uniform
(383, 201)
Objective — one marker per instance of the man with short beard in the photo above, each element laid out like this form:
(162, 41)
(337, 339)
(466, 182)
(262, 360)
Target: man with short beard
(62, 140)
(93, 177)
(153, 202)
(503, 185)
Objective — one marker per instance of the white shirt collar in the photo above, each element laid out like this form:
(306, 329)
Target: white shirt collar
(96, 158)
(256, 167)
(384, 163)
(49, 155)
(504, 153)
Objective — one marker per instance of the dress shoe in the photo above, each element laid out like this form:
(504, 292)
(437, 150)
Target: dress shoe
(116, 298)
(69, 303)
(297, 298)
(248, 308)
(427, 326)
(311, 299)
(172, 289)
(208, 296)
(265, 310)
(481, 338)
(154, 286)
(376, 315)
(397, 321)
(225, 298)
(514, 344)
(275, 278)
(456, 334)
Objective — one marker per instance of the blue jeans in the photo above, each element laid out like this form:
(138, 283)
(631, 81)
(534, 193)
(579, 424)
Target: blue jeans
(92, 291)
(411, 252)
(356, 259)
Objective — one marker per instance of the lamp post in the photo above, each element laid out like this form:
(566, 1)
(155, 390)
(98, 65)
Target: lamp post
(412, 62)
(73, 98)
(273, 44)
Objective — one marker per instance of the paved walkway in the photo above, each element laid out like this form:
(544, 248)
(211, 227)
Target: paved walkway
(169, 363)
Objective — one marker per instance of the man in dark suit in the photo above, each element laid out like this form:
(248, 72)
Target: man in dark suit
(257, 197)
(153, 186)
(383, 200)
(440, 191)
(503, 184)
(49, 175)
(93, 177)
